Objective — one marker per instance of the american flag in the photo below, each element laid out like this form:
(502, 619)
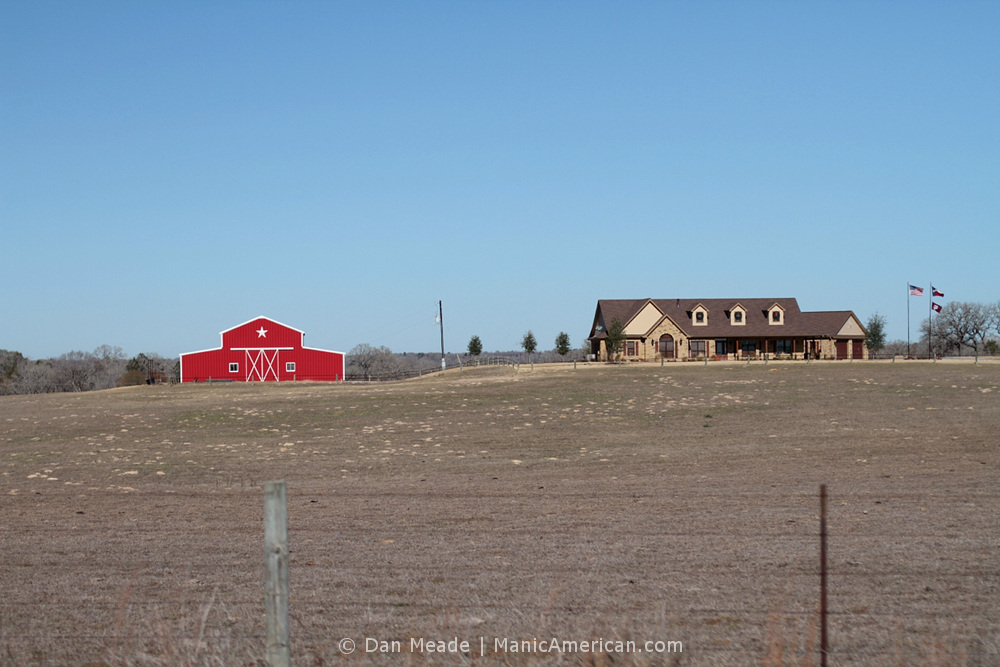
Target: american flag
(916, 291)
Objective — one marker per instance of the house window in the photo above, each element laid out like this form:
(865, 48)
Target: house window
(699, 317)
(698, 348)
(720, 346)
(667, 346)
(289, 366)
(776, 316)
(630, 348)
(783, 346)
(234, 367)
(738, 317)
(748, 347)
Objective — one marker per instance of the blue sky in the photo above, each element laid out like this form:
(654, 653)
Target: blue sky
(171, 169)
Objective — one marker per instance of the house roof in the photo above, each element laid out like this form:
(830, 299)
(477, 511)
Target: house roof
(756, 323)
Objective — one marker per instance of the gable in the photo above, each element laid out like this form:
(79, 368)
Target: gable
(738, 315)
(609, 310)
(776, 314)
(261, 332)
(699, 315)
(851, 328)
(644, 321)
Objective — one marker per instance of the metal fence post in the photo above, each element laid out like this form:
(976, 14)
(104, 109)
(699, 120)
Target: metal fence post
(276, 573)
(823, 647)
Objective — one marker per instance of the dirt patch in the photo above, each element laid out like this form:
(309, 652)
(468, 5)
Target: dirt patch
(633, 503)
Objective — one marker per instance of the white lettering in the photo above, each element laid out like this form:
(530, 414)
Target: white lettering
(453, 645)
(375, 645)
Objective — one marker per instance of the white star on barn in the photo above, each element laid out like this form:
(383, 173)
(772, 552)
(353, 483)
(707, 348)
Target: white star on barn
(261, 333)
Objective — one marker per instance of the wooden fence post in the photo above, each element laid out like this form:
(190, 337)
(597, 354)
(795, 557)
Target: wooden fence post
(276, 573)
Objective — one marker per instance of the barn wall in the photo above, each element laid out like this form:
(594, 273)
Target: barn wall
(212, 364)
(310, 364)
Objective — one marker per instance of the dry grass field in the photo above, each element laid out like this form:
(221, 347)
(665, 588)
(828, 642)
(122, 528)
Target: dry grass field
(631, 503)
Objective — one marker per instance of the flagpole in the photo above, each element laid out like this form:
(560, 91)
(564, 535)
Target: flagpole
(907, 319)
(930, 323)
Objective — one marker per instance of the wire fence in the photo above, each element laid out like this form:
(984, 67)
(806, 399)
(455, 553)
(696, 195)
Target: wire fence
(741, 585)
(454, 363)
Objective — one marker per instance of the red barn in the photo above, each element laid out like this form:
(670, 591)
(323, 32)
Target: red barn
(262, 350)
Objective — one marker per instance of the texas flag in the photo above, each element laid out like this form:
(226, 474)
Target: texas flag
(935, 292)
(936, 307)
(916, 291)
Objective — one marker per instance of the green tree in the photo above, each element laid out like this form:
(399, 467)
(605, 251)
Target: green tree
(529, 343)
(615, 341)
(140, 363)
(875, 340)
(475, 346)
(562, 343)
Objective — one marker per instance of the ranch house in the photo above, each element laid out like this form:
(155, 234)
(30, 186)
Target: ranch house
(719, 329)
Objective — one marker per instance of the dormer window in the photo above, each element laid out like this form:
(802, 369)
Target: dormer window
(738, 317)
(776, 314)
(699, 315)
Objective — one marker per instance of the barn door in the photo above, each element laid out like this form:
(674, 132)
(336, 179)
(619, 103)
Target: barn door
(262, 365)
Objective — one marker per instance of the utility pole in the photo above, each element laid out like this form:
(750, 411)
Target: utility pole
(441, 321)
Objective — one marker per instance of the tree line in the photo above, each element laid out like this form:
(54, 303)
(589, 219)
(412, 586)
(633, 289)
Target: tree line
(104, 368)
(370, 362)
(108, 366)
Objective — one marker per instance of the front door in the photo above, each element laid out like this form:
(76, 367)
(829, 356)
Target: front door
(262, 365)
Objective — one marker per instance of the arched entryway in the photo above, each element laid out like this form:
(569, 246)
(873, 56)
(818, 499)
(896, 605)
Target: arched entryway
(667, 346)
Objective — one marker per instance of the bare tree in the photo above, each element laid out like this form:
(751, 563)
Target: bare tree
(963, 323)
(10, 365)
(993, 317)
(368, 360)
(978, 317)
(36, 377)
(108, 366)
(103, 368)
(940, 345)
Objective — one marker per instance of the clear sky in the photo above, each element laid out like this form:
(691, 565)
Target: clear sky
(171, 169)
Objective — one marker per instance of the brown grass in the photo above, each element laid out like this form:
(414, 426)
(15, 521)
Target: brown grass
(633, 503)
